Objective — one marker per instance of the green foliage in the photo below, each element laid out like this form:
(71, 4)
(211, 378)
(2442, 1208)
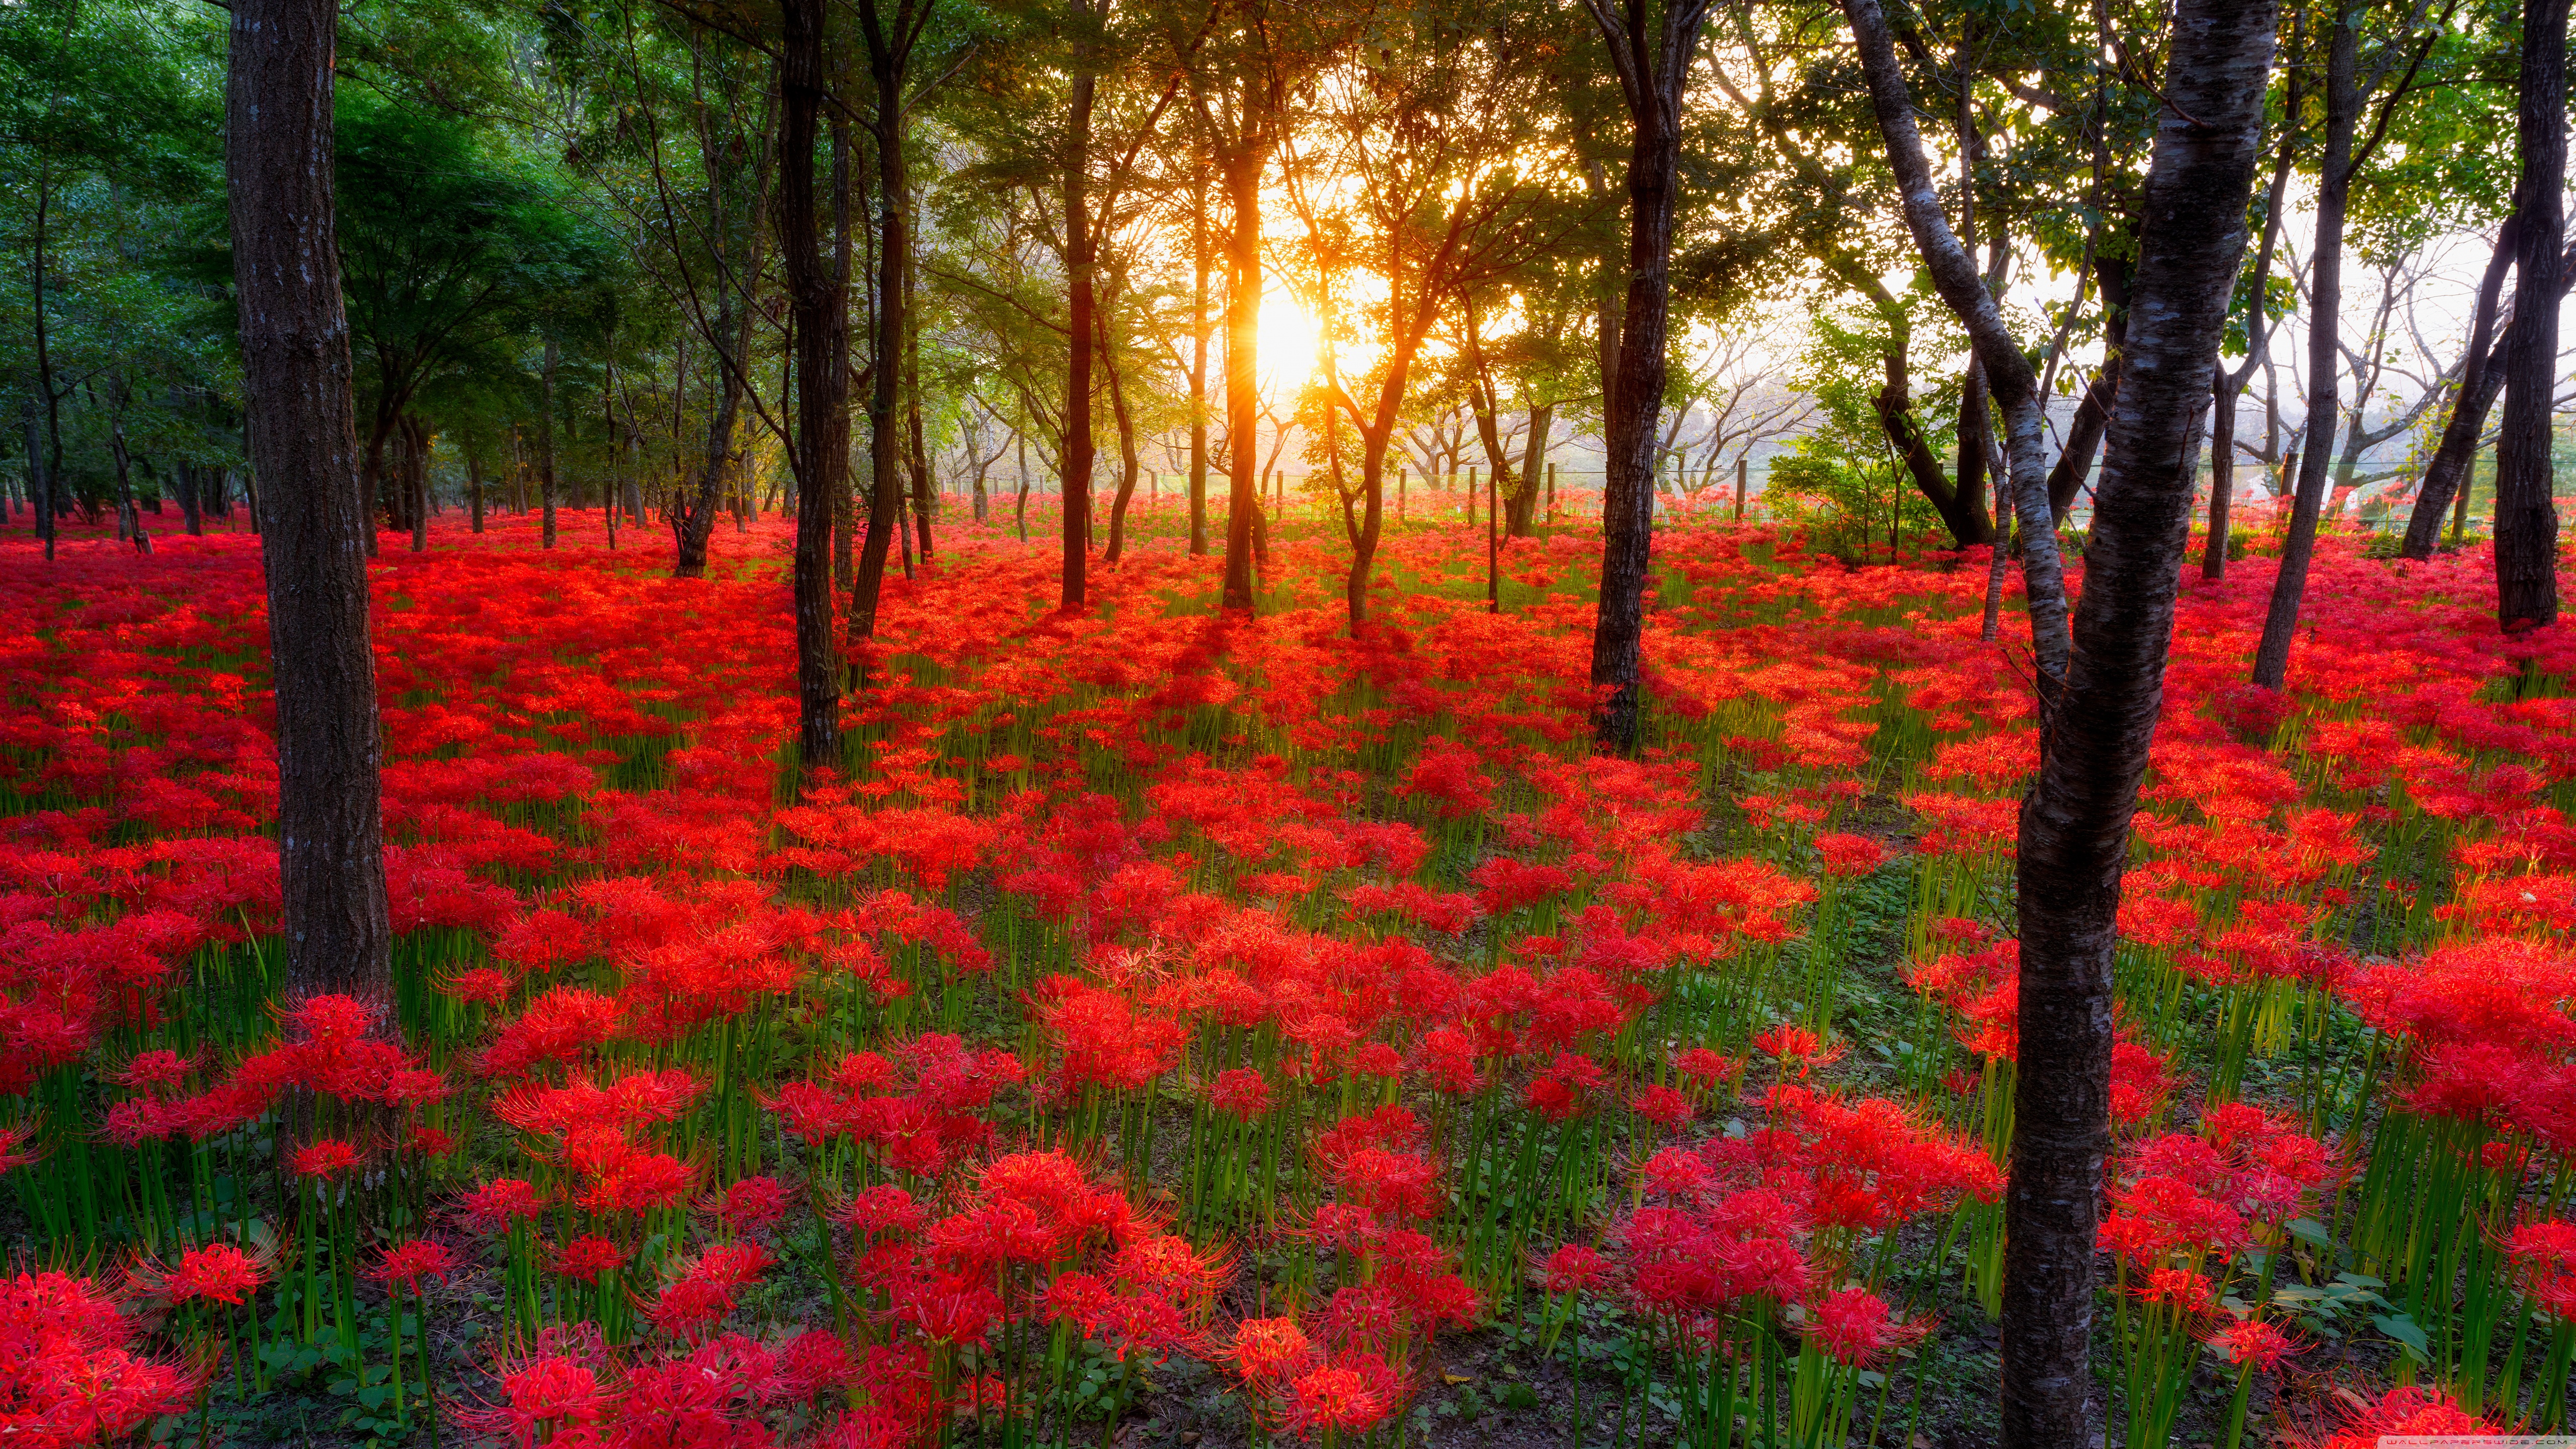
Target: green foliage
(1849, 504)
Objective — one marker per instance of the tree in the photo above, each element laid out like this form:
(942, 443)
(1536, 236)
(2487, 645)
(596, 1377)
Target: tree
(301, 427)
(444, 252)
(818, 295)
(1424, 128)
(2074, 838)
(1652, 59)
(2526, 529)
(2009, 376)
(2349, 88)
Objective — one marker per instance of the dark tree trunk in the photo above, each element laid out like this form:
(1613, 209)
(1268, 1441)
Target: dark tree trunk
(191, 511)
(1243, 168)
(693, 523)
(916, 458)
(1080, 262)
(415, 481)
(1199, 266)
(2093, 414)
(1127, 460)
(1653, 83)
(474, 482)
(844, 564)
(301, 431)
(546, 439)
(821, 318)
(2074, 838)
(890, 41)
(2009, 375)
(2325, 304)
(2226, 386)
(1521, 512)
(2480, 380)
(2526, 517)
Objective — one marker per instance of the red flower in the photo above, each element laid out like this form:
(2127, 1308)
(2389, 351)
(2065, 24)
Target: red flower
(325, 1159)
(405, 1264)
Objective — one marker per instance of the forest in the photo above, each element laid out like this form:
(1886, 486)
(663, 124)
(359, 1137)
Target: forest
(1013, 724)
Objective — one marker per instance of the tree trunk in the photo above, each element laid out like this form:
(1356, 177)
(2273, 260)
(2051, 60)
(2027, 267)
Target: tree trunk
(546, 440)
(844, 564)
(301, 431)
(415, 481)
(2325, 311)
(2093, 414)
(1080, 256)
(1243, 170)
(2227, 386)
(48, 476)
(2480, 380)
(821, 317)
(693, 524)
(1654, 85)
(887, 62)
(191, 510)
(1520, 514)
(474, 482)
(2526, 516)
(1199, 263)
(1127, 461)
(916, 458)
(2009, 375)
(2074, 839)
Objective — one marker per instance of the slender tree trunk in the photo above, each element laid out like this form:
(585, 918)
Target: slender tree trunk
(916, 457)
(48, 477)
(888, 54)
(2526, 516)
(474, 482)
(2227, 386)
(1243, 170)
(1200, 261)
(1127, 460)
(1080, 262)
(694, 523)
(546, 440)
(2074, 839)
(301, 432)
(40, 481)
(1654, 85)
(2480, 380)
(1521, 513)
(844, 563)
(190, 509)
(416, 481)
(2325, 313)
(2093, 414)
(2009, 375)
(821, 314)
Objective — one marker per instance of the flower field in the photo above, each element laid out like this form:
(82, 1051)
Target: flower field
(1185, 1029)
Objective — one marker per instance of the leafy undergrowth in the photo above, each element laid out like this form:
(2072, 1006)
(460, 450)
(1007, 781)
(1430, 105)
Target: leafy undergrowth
(1177, 1028)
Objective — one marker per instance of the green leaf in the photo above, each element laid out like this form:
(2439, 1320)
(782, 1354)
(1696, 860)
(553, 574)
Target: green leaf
(2309, 1230)
(2403, 1329)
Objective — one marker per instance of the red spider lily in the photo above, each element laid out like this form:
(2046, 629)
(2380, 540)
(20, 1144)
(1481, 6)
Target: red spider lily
(2408, 1411)
(324, 1159)
(216, 1273)
(585, 1258)
(71, 1377)
(2254, 1342)
(750, 1203)
(1854, 1327)
(407, 1264)
(501, 1202)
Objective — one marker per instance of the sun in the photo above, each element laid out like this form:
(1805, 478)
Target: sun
(1290, 348)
